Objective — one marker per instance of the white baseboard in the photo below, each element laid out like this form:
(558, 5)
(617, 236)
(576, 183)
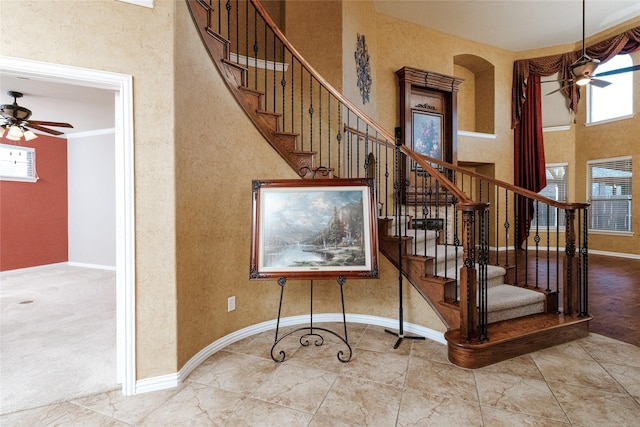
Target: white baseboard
(615, 254)
(162, 382)
(562, 249)
(173, 380)
(73, 264)
(97, 266)
(34, 268)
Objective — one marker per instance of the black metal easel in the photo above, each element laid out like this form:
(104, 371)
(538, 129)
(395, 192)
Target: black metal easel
(397, 185)
(318, 340)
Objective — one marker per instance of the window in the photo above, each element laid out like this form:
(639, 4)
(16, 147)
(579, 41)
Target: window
(556, 189)
(609, 186)
(615, 100)
(17, 163)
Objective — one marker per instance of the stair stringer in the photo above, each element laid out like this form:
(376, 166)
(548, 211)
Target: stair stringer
(251, 101)
(434, 290)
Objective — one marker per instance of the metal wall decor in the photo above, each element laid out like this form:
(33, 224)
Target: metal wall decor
(363, 69)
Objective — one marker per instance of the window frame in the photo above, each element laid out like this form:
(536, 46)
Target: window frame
(31, 175)
(629, 182)
(590, 96)
(560, 222)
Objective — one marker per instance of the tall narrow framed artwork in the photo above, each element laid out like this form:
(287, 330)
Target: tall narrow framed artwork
(314, 229)
(427, 133)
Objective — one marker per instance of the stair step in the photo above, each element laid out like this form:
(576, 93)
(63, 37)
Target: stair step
(236, 72)
(515, 337)
(506, 302)
(495, 273)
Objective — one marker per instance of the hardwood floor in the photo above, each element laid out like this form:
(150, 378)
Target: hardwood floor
(614, 291)
(614, 297)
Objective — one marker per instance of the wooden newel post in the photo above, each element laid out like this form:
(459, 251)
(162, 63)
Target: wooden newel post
(468, 281)
(571, 279)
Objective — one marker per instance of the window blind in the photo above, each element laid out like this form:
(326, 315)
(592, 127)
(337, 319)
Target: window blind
(610, 187)
(17, 163)
(556, 189)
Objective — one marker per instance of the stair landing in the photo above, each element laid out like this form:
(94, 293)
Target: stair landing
(515, 337)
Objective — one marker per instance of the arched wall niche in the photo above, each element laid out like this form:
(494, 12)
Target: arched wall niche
(476, 98)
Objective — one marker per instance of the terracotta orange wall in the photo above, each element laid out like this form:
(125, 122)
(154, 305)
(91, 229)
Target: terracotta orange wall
(33, 215)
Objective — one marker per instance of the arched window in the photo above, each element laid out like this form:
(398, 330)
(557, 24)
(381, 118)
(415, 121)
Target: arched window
(615, 100)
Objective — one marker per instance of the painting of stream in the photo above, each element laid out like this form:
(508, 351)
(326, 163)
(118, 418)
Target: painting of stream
(314, 229)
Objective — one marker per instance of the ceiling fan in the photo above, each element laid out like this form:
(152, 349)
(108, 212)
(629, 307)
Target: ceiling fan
(16, 118)
(584, 67)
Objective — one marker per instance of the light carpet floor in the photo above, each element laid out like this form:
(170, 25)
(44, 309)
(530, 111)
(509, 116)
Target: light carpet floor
(57, 335)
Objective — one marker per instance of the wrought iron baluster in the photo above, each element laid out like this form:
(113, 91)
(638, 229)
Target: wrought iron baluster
(506, 229)
(329, 129)
(516, 204)
(302, 133)
(386, 181)
(549, 247)
(237, 32)
(320, 125)
(266, 57)
(585, 263)
(456, 243)
(536, 239)
(255, 49)
(497, 211)
(246, 26)
(339, 137)
(283, 83)
(219, 17)
(275, 56)
(228, 7)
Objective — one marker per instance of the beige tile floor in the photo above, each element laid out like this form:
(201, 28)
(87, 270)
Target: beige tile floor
(594, 381)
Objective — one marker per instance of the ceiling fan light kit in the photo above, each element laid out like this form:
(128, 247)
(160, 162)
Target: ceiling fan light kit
(15, 121)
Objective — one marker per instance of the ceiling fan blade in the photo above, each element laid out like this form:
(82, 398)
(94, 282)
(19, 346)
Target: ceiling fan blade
(6, 116)
(618, 71)
(41, 129)
(56, 124)
(599, 83)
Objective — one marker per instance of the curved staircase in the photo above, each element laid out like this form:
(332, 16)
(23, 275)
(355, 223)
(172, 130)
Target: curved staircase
(489, 316)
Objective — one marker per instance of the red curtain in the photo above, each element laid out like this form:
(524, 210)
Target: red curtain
(526, 119)
(529, 165)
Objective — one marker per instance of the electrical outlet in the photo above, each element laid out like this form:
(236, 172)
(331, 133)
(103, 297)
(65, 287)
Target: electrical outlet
(231, 304)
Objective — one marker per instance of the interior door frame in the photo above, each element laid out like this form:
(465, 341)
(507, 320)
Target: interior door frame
(122, 84)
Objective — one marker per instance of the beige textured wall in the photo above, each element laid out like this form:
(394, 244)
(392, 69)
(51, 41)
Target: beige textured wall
(407, 44)
(466, 99)
(359, 17)
(128, 39)
(314, 27)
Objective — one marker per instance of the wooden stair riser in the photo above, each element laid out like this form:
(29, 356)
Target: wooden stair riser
(252, 101)
(515, 338)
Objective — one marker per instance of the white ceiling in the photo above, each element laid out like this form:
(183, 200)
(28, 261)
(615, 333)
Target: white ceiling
(85, 108)
(509, 24)
(514, 25)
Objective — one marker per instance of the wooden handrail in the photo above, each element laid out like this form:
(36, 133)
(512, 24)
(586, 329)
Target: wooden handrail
(263, 13)
(387, 137)
(368, 136)
(518, 190)
(463, 199)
